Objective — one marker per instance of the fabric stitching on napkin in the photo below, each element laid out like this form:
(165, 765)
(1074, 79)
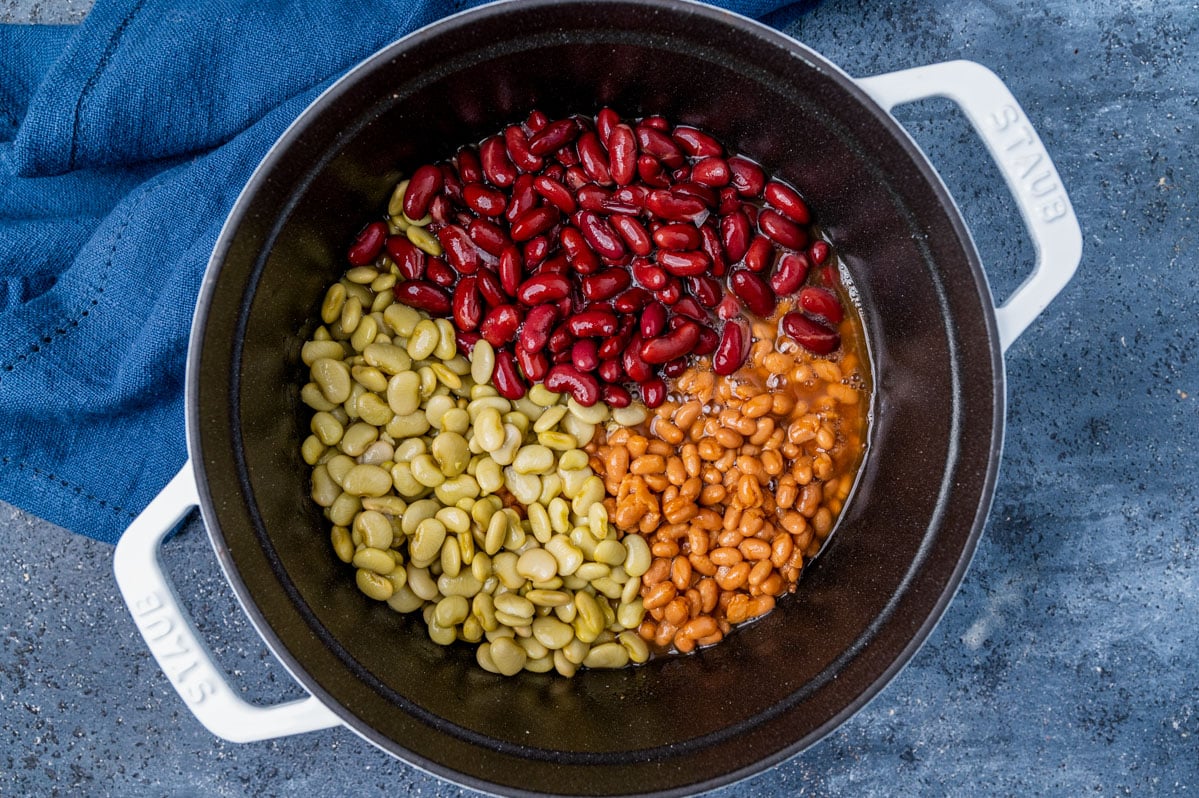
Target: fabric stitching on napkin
(61, 327)
(94, 78)
(79, 489)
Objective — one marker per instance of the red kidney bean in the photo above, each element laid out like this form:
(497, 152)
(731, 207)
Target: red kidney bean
(713, 172)
(787, 201)
(561, 357)
(605, 122)
(555, 265)
(535, 251)
(677, 236)
(782, 230)
(466, 341)
(821, 302)
(729, 308)
(622, 154)
(688, 306)
(735, 235)
(592, 324)
(593, 159)
(675, 367)
(469, 168)
(584, 356)
(517, 145)
(533, 223)
(565, 306)
(533, 365)
(510, 271)
(653, 320)
(483, 200)
(610, 370)
(523, 198)
(829, 274)
(627, 199)
(684, 264)
(422, 186)
(656, 143)
(753, 291)
(648, 273)
(809, 334)
(488, 236)
(600, 235)
(592, 197)
(605, 284)
(567, 156)
(491, 289)
(536, 120)
(653, 392)
(710, 243)
(657, 122)
(439, 272)
(407, 257)
(702, 193)
(633, 233)
(729, 201)
(760, 255)
(441, 210)
(557, 194)
(751, 213)
(789, 273)
(615, 396)
(747, 177)
(367, 244)
(733, 348)
(560, 340)
(612, 348)
(506, 378)
(676, 343)
(542, 288)
(565, 378)
(468, 307)
(580, 256)
(675, 207)
(574, 178)
(706, 289)
(424, 295)
(497, 166)
(650, 170)
(459, 250)
(708, 341)
(451, 187)
(637, 369)
(551, 138)
(631, 300)
(818, 252)
(671, 292)
(697, 143)
(499, 326)
(539, 323)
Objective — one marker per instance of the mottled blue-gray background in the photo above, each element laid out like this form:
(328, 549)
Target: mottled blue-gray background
(1067, 664)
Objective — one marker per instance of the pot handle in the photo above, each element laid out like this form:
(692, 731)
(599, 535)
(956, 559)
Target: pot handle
(1025, 164)
(173, 640)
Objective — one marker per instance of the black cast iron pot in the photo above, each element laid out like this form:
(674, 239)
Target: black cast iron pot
(673, 725)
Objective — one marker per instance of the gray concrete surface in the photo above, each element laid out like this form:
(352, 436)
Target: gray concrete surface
(1067, 664)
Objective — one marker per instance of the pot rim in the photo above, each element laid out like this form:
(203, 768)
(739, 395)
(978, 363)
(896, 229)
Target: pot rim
(241, 207)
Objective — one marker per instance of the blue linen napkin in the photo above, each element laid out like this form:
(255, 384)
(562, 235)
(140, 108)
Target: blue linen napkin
(123, 144)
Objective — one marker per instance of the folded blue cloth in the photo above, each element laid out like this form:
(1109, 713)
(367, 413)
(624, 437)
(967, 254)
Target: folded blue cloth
(123, 144)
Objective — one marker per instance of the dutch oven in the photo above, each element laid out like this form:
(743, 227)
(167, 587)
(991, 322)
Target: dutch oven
(886, 574)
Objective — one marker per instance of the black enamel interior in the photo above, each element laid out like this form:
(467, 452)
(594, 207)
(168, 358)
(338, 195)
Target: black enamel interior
(678, 724)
